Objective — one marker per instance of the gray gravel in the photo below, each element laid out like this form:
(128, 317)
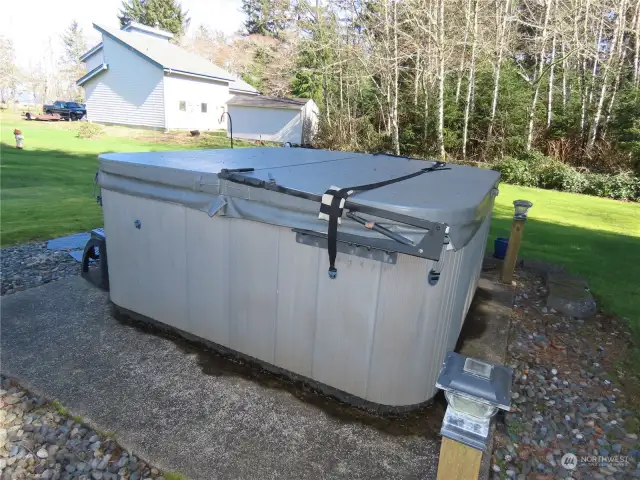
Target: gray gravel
(38, 442)
(32, 264)
(566, 400)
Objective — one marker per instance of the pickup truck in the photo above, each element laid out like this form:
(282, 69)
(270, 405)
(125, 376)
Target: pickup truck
(66, 110)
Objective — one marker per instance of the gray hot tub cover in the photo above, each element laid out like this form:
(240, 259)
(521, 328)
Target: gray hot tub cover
(458, 198)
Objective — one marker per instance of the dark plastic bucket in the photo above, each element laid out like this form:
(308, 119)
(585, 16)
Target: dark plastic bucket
(500, 247)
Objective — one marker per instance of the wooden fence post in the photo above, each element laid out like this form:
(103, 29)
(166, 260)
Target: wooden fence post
(458, 461)
(515, 239)
(474, 390)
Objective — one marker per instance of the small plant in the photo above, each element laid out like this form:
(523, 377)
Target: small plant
(89, 130)
(516, 427)
(104, 433)
(58, 406)
(174, 476)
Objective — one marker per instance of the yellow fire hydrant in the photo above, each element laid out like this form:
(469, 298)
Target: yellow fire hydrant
(19, 138)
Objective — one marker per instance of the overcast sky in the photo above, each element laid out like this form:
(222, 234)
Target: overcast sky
(31, 23)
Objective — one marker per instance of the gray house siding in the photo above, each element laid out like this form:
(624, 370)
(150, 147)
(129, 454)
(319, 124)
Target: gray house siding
(130, 92)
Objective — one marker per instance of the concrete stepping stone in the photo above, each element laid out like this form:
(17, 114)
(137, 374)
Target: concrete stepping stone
(570, 295)
(73, 244)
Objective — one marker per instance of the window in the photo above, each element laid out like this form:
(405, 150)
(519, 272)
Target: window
(183, 106)
(203, 107)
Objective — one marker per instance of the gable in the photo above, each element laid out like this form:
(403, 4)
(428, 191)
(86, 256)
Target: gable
(166, 55)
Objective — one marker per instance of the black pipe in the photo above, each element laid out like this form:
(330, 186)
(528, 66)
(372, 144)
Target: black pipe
(230, 125)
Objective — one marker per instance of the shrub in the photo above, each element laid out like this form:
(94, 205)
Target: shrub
(532, 169)
(623, 186)
(89, 130)
(516, 171)
(560, 176)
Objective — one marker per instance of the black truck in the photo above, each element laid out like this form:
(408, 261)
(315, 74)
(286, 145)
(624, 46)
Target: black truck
(66, 110)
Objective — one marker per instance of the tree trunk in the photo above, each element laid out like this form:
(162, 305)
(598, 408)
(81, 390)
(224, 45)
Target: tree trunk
(621, 54)
(443, 153)
(416, 80)
(551, 72)
(584, 89)
(426, 116)
(596, 61)
(593, 132)
(467, 17)
(470, 84)
(616, 84)
(395, 137)
(564, 79)
(636, 57)
(501, 26)
(538, 77)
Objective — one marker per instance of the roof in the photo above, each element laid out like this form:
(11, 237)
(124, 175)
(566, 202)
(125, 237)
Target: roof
(167, 56)
(241, 86)
(262, 101)
(145, 28)
(91, 51)
(89, 75)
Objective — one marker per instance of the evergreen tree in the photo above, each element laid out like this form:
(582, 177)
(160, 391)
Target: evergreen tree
(266, 17)
(74, 45)
(163, 14)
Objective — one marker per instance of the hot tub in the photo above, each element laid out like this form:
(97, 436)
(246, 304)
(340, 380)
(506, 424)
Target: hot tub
(227, 246)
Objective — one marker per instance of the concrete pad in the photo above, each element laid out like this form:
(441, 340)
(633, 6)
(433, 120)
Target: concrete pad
(185, 409)
(485, 332)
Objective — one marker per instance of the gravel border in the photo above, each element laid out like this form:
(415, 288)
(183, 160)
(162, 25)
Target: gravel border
(32, 264)
(39, 440)
(569, 395)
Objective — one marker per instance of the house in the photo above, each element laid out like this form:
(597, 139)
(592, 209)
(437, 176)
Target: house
(274, 119)
(137, 77)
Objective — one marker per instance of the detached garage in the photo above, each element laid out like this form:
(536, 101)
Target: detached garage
(273, 119)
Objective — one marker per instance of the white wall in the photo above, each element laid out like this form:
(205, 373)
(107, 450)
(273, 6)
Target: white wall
(194, 92)
(94, 60)
(130, 92)
(269, 124)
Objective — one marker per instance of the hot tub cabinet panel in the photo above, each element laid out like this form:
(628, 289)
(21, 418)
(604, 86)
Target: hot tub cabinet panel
(378, 332)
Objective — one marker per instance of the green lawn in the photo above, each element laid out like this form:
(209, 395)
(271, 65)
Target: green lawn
(47, 188)
(596, 238)
(47, 191)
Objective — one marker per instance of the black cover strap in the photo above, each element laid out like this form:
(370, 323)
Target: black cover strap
(335, 210)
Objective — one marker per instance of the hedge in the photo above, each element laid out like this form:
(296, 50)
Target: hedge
(536, 170)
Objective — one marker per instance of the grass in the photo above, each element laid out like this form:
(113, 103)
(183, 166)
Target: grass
(64, 412)
(174, 476)
(47, 188)
(61, 410)
(47, 191)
